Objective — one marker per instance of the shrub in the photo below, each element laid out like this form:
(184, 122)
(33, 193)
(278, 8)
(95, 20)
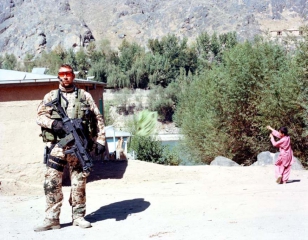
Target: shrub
(225, 110)
(150, 150)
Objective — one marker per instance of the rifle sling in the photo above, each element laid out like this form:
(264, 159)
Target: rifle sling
(55, 166)
(58, 160)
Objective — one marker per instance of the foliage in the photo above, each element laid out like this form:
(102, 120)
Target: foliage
(150, 150)
(198, 118)
(70, 58)
(99, 70)
(29, 62)
(209, 49)
(51, 60)
(146, 123)
(82, 63)
(144, 144)
(131, 66)
(170, 55)
(223, 92)
(9, 62)
(160, 100)
(164, 99)
(225, 110)
(301, 130)
(124, 74)
(107, 117)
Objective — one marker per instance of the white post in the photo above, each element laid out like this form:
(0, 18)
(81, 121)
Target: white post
(115, 148)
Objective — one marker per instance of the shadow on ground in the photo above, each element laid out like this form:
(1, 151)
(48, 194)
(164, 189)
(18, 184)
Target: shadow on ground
(107, 169)
(119, 210)
(293, 181)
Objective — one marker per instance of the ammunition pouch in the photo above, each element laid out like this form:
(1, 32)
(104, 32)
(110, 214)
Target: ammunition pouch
(48, 135)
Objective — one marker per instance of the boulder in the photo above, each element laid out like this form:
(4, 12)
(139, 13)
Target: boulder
(264, 158)
(268, 158)
(223, 161)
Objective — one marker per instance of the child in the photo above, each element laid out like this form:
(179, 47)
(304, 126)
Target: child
(285, 158)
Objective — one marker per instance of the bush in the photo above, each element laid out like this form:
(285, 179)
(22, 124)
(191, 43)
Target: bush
(150, 150)
(107, 117)
(225, 110)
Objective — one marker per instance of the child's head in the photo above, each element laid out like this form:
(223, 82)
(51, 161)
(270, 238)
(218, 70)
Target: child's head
(283, 130)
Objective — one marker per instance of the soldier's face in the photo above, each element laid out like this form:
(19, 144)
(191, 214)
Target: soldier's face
(67, 76)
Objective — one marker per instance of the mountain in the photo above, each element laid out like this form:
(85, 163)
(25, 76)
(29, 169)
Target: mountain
(29, 26)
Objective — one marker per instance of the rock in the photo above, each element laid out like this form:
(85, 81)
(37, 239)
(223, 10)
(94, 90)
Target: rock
(40, 42)
(268, 158)
(122, 35)
(264, 158)
(223, 161)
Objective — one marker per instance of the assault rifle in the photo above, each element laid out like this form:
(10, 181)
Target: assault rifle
(74, 134)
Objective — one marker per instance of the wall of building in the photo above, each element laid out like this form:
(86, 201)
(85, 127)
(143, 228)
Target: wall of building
(21, 148)
(24, 92)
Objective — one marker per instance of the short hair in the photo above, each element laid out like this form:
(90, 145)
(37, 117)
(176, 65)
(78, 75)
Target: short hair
(284, 130)
(67, 66)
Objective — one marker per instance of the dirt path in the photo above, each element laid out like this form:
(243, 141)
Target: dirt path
(149, 201)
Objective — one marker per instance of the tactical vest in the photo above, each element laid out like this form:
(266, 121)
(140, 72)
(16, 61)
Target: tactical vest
(80, 109)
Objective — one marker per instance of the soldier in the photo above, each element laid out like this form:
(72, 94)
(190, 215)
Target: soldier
(78, 102)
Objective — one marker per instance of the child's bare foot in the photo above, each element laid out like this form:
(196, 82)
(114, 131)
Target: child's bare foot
(278, 180)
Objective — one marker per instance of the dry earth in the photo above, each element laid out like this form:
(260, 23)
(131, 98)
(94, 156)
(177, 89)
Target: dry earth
(142, 200)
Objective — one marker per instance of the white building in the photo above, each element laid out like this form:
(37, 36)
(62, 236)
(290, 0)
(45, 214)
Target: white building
(112, 137)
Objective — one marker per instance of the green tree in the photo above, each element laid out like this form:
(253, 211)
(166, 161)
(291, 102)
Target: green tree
(301, 61)
(170, 55)
(129, 54)
(164, 100)
(216, 47)
(50, 60)
(9, 62)
(82, 63)
(225, 110)
(1, 61)
(70, 59)
(29, 62)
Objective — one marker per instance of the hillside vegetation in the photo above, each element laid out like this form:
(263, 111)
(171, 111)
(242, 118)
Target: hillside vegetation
(220, 92)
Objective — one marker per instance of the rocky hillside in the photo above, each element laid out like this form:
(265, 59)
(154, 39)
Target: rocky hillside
(29, 26)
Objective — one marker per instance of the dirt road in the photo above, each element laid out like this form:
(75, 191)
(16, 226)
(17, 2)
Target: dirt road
(142, 201)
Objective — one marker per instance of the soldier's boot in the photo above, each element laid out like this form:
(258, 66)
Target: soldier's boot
(81, 222)
(48, 225)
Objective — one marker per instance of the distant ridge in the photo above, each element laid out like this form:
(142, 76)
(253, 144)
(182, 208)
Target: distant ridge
(36, 26)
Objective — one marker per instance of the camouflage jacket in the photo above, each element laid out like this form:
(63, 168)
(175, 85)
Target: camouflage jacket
(44, 112)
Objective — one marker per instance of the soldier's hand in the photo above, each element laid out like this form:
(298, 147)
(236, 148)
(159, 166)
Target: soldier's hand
(100, 148)
(85, 174)
(57, 126)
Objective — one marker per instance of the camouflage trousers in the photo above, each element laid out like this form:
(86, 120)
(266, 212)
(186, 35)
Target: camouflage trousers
(53, 187)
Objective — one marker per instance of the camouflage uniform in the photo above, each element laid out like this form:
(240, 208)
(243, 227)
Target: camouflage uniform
(53, 177)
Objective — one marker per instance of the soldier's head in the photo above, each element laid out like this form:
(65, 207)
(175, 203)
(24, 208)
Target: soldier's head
(66, 75)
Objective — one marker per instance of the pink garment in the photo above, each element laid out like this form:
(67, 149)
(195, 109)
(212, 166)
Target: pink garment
(285, 158)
